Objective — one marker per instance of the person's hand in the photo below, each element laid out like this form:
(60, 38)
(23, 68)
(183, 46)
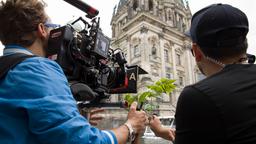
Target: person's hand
(168, 133)
(93, 116)
(159, 130)
(155, 123)
(137, 119)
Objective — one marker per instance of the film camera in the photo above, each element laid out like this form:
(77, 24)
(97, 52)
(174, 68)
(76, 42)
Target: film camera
(93, 70)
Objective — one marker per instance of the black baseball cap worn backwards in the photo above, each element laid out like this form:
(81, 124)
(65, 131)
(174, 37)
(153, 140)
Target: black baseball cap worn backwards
(207, 24)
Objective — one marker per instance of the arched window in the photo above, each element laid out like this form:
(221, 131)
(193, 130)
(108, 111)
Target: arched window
(153, 52)
(135, 5)
(170, 15)
(136, 51)
(150, 5)
(181, 81)
(178, 59)
(166, 55)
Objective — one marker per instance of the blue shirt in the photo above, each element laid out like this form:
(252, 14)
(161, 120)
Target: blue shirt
(37, 106)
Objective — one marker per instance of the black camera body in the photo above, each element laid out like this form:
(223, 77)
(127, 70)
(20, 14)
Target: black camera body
(93, 70)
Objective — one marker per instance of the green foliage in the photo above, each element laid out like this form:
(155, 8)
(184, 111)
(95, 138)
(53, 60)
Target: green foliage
(162, 86)
(149, 107)
(130, 98)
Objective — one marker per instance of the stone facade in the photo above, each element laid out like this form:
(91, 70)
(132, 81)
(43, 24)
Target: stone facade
(151, 35)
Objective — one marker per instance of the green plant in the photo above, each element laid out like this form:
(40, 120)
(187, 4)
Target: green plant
(162, 86)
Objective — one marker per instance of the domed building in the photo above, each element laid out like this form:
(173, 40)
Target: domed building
(151, 35)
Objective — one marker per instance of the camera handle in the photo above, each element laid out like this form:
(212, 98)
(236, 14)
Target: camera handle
(85, 95)
(82, 92)
(103, 104)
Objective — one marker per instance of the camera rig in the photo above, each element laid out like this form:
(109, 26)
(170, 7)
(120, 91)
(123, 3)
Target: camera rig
(93, 69)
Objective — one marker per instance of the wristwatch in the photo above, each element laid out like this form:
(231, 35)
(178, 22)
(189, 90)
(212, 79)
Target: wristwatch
(131, 136)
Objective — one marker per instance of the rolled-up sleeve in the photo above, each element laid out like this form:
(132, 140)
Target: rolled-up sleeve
(52, 112)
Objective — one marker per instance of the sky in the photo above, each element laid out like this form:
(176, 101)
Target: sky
(62, 12)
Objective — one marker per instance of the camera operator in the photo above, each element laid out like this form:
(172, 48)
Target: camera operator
(36, 102)
(221, 108)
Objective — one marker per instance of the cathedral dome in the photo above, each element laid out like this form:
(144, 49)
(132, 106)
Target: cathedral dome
(173, 13)
(121, 3)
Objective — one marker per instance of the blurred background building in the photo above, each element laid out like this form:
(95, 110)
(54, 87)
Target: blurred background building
(151, 35)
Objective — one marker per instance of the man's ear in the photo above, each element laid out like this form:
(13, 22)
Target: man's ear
(197, 52)
(42, 31)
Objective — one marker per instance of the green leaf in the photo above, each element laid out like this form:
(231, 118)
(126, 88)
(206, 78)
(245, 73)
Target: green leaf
(144, 96)
(155, 88)
(149, 107)
(130, 98)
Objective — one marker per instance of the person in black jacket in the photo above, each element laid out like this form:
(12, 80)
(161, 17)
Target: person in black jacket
(220, 109)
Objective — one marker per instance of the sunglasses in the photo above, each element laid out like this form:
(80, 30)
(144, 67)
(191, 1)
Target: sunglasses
(51, 25)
